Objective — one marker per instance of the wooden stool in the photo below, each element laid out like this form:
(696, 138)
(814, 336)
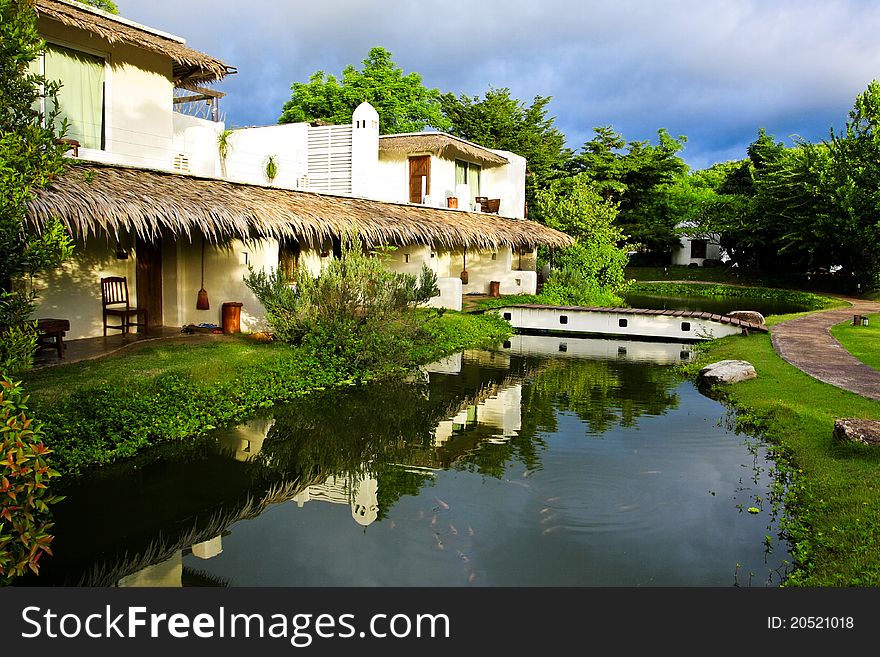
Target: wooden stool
(50, 333)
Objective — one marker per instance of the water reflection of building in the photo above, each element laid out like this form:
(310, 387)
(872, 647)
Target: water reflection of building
(362, 494)
(500, 411)
(245, 441)
(600, 348)
(169, 572)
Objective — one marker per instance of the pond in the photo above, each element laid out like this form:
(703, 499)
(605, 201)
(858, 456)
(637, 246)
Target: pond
(543, 462)
(718, 305)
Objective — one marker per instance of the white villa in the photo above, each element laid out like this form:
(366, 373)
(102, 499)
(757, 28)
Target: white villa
(147, 195)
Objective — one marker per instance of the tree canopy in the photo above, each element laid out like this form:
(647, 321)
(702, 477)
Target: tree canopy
(106, 5)
(500, 121)
(635, 175)
(403, 102)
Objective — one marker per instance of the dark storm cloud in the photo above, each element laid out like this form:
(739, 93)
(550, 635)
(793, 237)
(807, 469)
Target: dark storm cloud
(714, 71)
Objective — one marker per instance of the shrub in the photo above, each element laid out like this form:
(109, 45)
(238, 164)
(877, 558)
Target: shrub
(355, 313)
(24, 494)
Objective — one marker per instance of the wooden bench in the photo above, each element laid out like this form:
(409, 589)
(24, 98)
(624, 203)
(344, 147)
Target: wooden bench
(50, 333)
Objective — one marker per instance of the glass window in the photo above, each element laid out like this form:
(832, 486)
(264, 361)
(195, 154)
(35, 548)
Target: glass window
(81, 97)
(698, 248)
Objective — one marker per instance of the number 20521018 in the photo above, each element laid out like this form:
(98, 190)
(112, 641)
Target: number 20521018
(811, 623)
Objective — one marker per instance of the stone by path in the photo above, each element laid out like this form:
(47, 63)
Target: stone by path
(807, 343)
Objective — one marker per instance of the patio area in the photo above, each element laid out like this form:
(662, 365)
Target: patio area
(88, 348)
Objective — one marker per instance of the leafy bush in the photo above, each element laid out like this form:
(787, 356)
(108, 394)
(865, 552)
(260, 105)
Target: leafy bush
(354, 313)
(24, 494)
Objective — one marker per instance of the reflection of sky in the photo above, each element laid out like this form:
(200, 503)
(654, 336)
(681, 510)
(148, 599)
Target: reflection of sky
(627, 507)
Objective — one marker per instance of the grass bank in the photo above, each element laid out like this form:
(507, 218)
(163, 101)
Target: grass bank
(104, 410)
(863, 342)
(832, 509)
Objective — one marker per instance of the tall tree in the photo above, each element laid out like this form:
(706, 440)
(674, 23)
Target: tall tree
(403, 102)
(594, 266)
(499, 121)
(30, 156)
(634, 175)
(852, 182)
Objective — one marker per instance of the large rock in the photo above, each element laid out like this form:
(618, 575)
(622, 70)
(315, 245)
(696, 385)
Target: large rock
(727, 371)
(854, 430)
(752, 316)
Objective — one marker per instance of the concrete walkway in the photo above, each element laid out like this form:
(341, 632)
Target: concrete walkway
(807, 343)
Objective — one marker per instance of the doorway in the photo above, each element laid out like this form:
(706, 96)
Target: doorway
(149, 280)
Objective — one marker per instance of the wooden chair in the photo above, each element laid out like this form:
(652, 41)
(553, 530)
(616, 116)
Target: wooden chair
(115, 303)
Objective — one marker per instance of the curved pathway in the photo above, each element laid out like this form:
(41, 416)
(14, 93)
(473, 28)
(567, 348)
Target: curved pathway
(807, 343)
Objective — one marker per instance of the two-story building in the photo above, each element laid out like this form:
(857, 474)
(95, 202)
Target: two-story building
(148, 196)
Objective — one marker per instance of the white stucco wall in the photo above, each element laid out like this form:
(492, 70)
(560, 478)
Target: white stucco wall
(608, 323)
(225, 267)
(73, 292)
(682, 256)
(251, 148)
(138, 98)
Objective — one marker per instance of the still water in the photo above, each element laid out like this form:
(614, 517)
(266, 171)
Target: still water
(718, 305)
(544, 462)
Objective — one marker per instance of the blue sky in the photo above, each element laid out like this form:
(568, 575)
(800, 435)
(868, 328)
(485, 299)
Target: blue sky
(715, 71)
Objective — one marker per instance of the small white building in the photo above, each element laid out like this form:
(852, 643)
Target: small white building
(696, 247)
(148, 197)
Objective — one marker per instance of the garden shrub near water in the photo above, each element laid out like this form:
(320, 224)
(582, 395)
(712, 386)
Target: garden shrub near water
(354, 312)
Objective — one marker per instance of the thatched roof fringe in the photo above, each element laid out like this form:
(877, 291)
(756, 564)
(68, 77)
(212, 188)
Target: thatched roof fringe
(92, 198)
(191, 67)
(442, 144)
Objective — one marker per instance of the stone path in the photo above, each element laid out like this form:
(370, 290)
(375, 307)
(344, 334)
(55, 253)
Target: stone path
(807, 343)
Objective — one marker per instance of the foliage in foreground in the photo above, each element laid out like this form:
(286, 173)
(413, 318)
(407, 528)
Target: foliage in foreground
(30, 157)
(24, 496)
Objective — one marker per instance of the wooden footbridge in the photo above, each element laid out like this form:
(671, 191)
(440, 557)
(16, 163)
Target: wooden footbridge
(640, 323)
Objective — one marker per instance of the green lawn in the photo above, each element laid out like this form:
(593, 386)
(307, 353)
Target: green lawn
(833, 510)
(863, 342)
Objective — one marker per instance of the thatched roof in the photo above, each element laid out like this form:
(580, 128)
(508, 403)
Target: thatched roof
(190, 66)
(97, 198)
(441, 144)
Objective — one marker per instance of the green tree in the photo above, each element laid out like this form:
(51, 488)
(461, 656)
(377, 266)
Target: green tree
(106, 5)
(591, 270)
(852, 183)
(635, 175)
(30, 157)
(499, 121)
(403, 102)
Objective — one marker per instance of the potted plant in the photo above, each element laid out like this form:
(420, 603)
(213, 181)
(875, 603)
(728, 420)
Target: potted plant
(271, 168)
(224, 145)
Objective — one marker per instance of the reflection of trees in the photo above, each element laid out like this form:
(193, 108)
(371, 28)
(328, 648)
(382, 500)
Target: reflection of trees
(140, 514)
(387, 431)
(601, 392)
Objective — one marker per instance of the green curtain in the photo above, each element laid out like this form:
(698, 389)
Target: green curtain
(468, 173)
(460, 172)
(474, 180)
(81, 96)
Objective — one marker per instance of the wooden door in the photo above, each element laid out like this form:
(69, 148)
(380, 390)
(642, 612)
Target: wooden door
(149, 281)
(419, 169)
